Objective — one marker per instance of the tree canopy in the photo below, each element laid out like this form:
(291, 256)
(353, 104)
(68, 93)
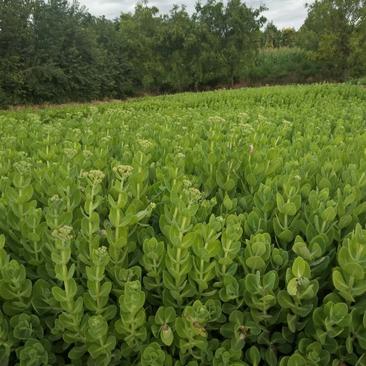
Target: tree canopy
(55, 51)
(335, 31)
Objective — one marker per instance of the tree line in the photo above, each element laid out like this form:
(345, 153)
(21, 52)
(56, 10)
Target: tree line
(55, 51)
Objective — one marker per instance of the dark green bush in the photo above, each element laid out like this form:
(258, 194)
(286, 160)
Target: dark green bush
(284, 66)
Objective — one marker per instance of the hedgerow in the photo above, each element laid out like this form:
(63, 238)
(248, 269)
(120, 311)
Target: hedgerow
(224, 228)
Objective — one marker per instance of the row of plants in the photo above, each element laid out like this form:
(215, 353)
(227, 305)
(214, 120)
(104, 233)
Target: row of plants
(222, 228)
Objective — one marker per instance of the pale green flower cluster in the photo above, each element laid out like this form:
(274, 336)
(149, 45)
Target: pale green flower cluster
(102, 251)
(70, 152)
(22, 166)
(216, 120)
(55, 198)
(187, 183)
(95, 176)
(63, 233)
(195, 194)
(247, 127)
(87, 153)
(145, 144)
(123, 171)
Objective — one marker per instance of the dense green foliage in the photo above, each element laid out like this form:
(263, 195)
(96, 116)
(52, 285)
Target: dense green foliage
(224, 228)
(284, 65)
(331, 45)
(272, 37)
(55, 51)
(335, 30)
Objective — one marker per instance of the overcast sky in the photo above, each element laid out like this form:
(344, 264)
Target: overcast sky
(284, 13)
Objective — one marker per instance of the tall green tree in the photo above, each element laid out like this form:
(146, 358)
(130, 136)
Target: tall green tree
(115, 69)
(288, 37)
(15, 48)
(80, 57)
(242, 37)
(357, 59)
(233, 33)
(139, 32)
(271, 36)
(329, 31)
(178, 46)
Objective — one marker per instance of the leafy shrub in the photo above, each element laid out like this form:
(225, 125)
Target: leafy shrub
(224, 228)
(285, 65)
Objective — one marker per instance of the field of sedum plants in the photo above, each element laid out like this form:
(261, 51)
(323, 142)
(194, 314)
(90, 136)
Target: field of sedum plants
(224, 228)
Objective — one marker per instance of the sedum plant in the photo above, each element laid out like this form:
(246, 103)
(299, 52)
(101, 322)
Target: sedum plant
(225, 228)
(348, 277)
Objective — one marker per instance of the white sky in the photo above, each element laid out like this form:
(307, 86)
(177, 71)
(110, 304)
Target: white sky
(284, 13)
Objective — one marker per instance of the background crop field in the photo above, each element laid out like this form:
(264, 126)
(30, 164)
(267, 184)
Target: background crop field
(221, 228)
